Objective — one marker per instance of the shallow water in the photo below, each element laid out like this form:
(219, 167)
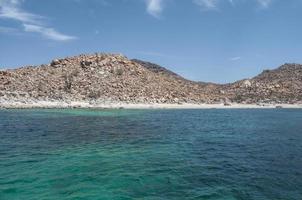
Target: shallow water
(151, 154)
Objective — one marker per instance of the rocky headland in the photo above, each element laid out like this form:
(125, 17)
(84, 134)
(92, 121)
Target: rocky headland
(100, 80)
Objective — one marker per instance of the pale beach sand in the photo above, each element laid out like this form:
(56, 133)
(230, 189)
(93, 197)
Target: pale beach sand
(121, 105)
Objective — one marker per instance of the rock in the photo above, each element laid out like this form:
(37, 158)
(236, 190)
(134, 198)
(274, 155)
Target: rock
(55, 62)
(112, 77)
(247, 83)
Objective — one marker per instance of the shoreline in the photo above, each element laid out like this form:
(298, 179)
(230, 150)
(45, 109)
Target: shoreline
(123, 105)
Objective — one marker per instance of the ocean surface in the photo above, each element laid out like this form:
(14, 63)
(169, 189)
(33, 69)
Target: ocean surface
(210, 154)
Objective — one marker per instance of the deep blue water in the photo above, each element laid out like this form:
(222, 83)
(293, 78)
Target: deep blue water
(151, 154)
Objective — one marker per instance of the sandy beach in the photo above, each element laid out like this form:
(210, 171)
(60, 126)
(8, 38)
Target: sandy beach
(122, 105)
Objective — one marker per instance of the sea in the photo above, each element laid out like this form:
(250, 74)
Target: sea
(209, 154)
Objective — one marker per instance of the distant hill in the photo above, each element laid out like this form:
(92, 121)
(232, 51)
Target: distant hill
(281, 85)
(157, 68)
(114, 78)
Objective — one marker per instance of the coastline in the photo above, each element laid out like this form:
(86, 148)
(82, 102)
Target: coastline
(124, 105)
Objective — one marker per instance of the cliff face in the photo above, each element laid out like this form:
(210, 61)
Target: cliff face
(111, 77)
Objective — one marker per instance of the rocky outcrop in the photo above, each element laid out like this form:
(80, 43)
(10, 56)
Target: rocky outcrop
(281, 85)
(114, 78)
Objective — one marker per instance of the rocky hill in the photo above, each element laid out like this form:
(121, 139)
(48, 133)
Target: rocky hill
(281, 85)
(157, 69)
(114, 78)
(103, 77)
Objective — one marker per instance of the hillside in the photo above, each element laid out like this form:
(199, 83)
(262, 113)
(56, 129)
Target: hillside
(103, 77)
(157, 68)
(114, 78)
(281, 85)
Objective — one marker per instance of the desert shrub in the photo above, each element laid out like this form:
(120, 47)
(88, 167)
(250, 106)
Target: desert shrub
(119, 71)
(68, 79)
(238, 98)
(94, 94)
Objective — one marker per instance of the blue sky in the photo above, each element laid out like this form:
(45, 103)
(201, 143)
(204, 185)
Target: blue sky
(207, 40)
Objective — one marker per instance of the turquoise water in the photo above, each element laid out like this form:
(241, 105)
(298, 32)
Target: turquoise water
(151, 154)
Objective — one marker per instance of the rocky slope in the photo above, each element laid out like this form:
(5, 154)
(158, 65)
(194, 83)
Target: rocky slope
(281, 85)
(157, 69)
(114, 78)
(102, 77)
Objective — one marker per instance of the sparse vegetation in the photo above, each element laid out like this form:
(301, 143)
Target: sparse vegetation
(116, 78)
(94, 94)
(119, 71)
(68, 79)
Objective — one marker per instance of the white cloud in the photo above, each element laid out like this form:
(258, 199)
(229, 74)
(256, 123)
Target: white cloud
(154, 7)
(231, 2)
(235, 58)
(206, 4)
(49, 33)
(214, 4)
(11, 9)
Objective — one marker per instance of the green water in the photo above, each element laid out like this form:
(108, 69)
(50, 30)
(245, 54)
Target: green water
(151, 154)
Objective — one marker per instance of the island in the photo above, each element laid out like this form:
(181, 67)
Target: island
(103, 80)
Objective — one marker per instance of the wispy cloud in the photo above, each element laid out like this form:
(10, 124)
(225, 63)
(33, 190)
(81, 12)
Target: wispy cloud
(49, 33)
(235, 58)
(11, 9)
(206, 4)
(264, 3)
(154, 7)
(101, 2)
(214, 4)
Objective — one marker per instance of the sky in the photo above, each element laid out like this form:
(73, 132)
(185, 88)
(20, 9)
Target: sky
(204, 40)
